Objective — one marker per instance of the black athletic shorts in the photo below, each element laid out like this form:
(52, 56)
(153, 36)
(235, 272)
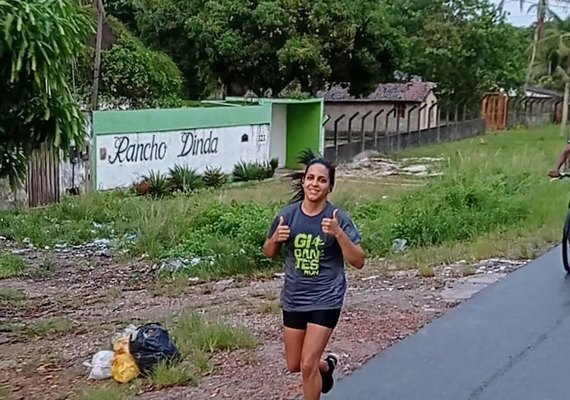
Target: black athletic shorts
(300, 319)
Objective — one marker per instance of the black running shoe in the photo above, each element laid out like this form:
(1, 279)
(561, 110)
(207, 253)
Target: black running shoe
(328, 379)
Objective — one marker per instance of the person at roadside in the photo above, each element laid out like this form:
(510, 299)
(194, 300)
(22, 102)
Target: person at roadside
(562, 159)
(318, 238)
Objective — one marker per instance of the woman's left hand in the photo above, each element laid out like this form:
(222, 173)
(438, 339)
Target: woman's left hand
(331, 226)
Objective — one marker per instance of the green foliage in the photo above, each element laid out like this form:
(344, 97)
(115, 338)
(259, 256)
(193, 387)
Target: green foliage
(268, 45)
(493, 193)
(465, 46)
(145, 78)
(10, 265)
(227, 238)
(38, 43)
(185, 179)
(193, 332)
(459, 210)
(252, 171)
(158, 184)
(214, 177)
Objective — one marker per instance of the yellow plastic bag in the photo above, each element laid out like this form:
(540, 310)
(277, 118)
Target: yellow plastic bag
(124, 368)
(121, 345)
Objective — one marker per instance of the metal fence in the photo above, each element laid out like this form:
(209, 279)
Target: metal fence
(532, 111)
(388, 131)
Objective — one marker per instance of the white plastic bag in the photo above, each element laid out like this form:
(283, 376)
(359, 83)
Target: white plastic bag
(101, 365)
(130, 330)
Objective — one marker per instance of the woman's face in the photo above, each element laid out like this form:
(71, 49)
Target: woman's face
(316, 183)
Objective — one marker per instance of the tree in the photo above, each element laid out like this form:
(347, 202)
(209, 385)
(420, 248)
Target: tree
(130, 74)
(465, 46)
(543, 10)
(267, 45)
(553, 61)
(38, 43)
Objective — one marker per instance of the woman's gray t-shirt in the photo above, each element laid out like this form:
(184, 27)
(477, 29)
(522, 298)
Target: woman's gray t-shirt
(314, 265)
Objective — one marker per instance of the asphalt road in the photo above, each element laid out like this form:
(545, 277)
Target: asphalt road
(509, 341)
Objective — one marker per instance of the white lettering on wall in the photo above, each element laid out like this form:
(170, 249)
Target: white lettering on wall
(125, 158)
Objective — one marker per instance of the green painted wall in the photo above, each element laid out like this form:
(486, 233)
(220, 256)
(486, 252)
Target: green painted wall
(303, 130)
(175, 119)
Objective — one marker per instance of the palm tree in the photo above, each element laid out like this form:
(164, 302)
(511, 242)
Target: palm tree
(553, 59)
(543, 10)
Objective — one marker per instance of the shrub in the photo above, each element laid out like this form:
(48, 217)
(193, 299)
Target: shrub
(157, 184)
(185, 179)
(131, 73)
(253, 171)
(214, 177)
(456, 210)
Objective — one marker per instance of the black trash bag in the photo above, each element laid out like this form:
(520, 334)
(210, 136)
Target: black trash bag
(152, 346)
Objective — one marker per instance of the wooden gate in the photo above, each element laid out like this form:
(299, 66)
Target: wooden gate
(495, 109)
(42, 185)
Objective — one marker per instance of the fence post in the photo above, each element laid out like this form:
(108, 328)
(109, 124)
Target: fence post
(423, 107)
(438, 122)
(376, 128)
(336, 121)
(350, 132)
(409, 125)
(388, 135)
(362, 133)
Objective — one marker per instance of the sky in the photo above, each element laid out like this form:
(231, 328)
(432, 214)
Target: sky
(522, 18)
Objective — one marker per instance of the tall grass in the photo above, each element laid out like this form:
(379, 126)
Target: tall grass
(493, 199)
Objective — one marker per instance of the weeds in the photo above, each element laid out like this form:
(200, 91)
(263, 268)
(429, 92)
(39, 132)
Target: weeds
(57, 326)
(10, 265)
(9, 294)
(492, 200)
(168, 376)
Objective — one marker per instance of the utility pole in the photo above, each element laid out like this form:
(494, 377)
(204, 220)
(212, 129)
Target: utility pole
(97, 64)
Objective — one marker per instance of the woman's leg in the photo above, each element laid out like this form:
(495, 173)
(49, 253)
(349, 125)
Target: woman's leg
(314, 344)
(294, 327)
(293, 340)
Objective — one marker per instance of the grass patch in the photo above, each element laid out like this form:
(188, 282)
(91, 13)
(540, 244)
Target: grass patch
(110, 391)
(57, 326)
(5, 393)
(197, 337)
(11, 265)
(9, 294)
(493, 200)
(194, 332)
(169, 376)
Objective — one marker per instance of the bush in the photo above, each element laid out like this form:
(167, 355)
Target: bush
(131, 73)
(457, 210)
(227, 238)
(185, 179)
(253, 171)
(145, 77)
(214, 177)
(156, 184)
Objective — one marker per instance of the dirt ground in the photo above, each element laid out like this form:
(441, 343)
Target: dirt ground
(90, 295)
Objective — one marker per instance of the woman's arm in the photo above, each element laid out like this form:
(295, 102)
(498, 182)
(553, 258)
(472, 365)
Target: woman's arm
(352, 253)
(280, 233)
(348, 242)
(271, 248)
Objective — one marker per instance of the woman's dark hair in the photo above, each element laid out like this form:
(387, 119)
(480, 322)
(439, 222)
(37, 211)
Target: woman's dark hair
(307, 157)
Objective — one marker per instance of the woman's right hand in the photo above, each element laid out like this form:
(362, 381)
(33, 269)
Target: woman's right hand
(282, 232)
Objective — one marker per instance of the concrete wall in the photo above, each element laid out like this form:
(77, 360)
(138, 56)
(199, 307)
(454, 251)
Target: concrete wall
(278, 133)
(130, 144)
(390, 124)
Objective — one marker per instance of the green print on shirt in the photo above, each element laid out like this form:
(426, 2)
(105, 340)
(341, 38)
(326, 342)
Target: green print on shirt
(308, 250)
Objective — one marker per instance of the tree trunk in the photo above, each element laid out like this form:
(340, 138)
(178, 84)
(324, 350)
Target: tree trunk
(565, 109)
(97, 62)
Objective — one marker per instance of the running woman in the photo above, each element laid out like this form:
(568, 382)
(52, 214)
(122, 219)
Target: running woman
(318, 238)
